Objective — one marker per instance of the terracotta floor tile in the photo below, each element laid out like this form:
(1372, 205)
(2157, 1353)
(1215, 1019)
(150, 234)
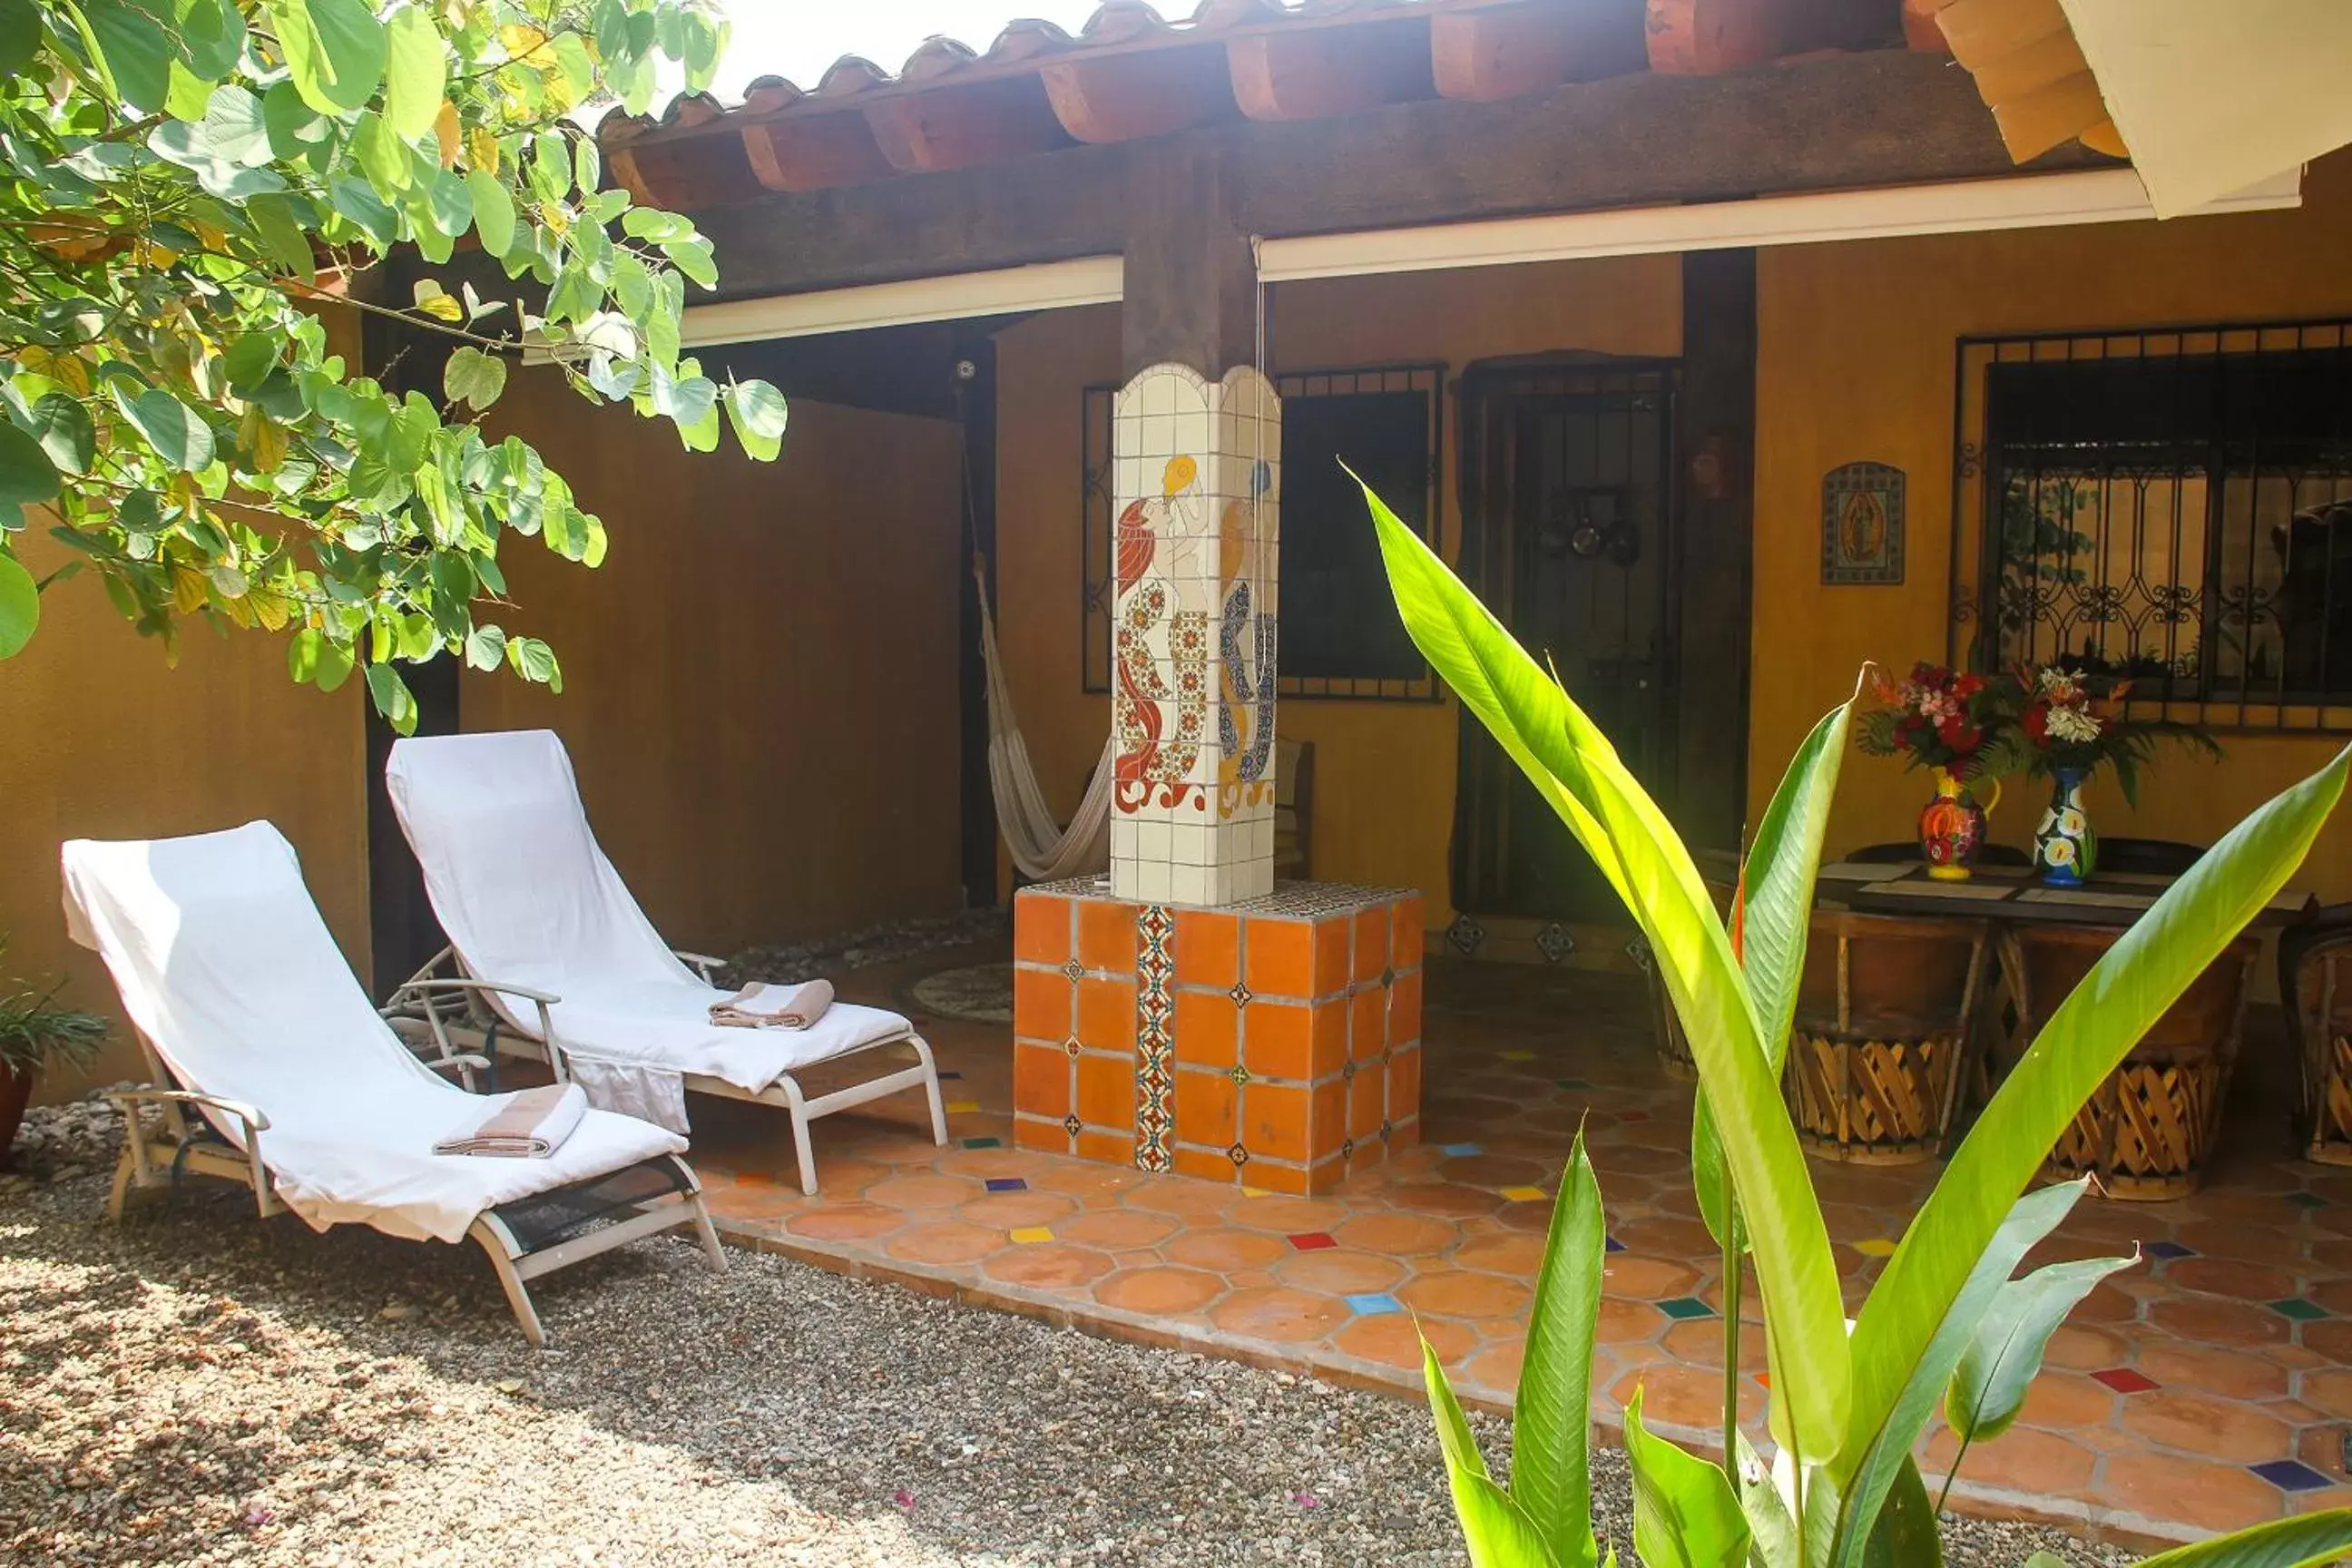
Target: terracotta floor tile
(1646, 1279)
(1278, 1312)
(2329, 1391)
(1052, 1263)
(1389, 1338)
(2216, 1428)
(2233, 1374)
(1698, 1342)
(845, 1222)
(2060, 1401)
(1192, 1201)
(921, 1192)
(1628, 1322)
(1397, 1235)
(1159, 1289)
(2331, 1339)
(1013, 1211)
(1519, 1256)
(1228, 1252)
(1336, 1271)
(2210, 1320)
(1495, 1171)
(1443, 1198)
(2023, 1458)
(946, 1241)
(1117, 1228)
(1458, 1293)
(1288, 1217)
(2202, 1494)
(1497, 1367)
(1674, 1395)
(2230, 1276)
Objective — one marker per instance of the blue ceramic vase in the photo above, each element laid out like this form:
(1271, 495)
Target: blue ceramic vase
(2065, 847)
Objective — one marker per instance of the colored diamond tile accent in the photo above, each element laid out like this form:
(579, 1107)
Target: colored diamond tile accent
(1008, 1184)
(2124, 1379)
(2299, 1309)
(2290, 1475)
(1253, 1192)
(1075, 969)
(2167, 1249)
(1373, 1304)
(1070, 1124)
(1030, 1235)
(983, 1142)
(1240, 1075)
(1461, 1150)
(1615, 1245)
(1312, 1241)
(1155, 1037)
(1518, 1056)
(2306, 1200)
(962, 1107)
(1071, 1045)
(1238, 1155)
(1525, 1194)
(1466, 935)
(1346, 1148)
(1877, 1246)
(1555, 942)
(1682, 1309)
(1241, 994)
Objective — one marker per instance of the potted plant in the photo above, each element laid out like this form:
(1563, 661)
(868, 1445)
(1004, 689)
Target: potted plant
(34, 1038)
(1946, 722)
(2071, 723)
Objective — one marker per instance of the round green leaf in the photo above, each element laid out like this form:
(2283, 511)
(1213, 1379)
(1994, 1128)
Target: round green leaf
(334, 52)
(211, 37)
(177, 432)
(20, 607)
(494, 212)
(393, 699)
(235, 128)
(416, 70)
(474, 377)
(27, 474)
(20, 35)
(63, 428)
(758, 412)
(136, 50)
(485, 647)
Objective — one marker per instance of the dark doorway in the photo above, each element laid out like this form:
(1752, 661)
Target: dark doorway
(1578, 553)
(403, 931)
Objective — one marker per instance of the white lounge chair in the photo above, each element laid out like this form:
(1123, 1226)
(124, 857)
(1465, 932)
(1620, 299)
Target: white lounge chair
(272, 1067)
(523, 891)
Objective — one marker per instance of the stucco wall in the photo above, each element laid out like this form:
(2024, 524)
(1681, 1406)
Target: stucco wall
(1855, 356)
(101, 739)
(759, 680)
(1383, 807)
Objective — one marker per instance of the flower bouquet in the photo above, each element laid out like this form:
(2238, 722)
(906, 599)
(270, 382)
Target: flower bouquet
(1946, 722)
(2070, 724)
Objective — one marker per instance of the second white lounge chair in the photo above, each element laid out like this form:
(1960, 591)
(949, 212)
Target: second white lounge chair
(524, 892)
(270, 1067)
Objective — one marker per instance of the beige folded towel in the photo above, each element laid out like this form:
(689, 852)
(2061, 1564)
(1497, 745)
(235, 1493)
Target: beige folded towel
(759, 1005)
(532, 1125)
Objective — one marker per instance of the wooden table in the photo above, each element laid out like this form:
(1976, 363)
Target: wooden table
(2013, 895)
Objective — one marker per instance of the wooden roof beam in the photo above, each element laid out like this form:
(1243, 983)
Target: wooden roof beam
(1314, 73)
(962, 126)
(1155, 92)
(1489, 52)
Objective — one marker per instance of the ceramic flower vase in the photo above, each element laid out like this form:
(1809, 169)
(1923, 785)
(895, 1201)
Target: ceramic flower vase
(2065, 847)
(1952, 828)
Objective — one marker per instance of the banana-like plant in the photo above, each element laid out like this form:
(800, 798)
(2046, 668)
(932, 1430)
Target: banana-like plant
(1849, 1403)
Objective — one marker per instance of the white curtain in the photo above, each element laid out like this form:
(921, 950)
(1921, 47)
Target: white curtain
(1045, 850)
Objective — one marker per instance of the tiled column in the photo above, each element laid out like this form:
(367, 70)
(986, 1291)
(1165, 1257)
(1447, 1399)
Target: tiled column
(1196, 485)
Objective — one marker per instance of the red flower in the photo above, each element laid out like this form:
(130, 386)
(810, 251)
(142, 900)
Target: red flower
(1956, 731)
(2037, 723)
(1967, 686)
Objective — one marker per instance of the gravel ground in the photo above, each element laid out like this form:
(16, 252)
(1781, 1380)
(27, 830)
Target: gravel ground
(890, 944)
(197, 1387)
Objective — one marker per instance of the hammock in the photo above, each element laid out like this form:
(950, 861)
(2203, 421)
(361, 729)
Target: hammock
(1044, 850)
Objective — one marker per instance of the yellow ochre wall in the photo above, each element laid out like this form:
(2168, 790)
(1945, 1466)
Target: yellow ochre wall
(1857, 349)
(759, 680)
(1384, 771)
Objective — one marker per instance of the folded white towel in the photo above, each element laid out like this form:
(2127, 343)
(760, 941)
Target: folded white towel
(632, 1089)
(529, 1124)
(759, 1005)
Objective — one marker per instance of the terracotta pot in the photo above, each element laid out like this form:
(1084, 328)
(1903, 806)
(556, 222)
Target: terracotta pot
(16, 1093)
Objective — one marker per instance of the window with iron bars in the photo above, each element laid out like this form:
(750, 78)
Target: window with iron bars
(1340, 637)
(2170, 505)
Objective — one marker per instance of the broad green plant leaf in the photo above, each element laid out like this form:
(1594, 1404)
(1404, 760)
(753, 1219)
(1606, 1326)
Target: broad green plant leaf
(27, 475)
(1551, 1420)
(63, 428)
(1686, 1514)
(416, 67)
(177, 432)
(138, 52)
(1889, 1448)
(494, 212)
(472, 377)
(393, 698)
(1576, 770)
(1771, 1528)
(335, 49)
(2005, 1353)
(2122, 996)
(1904, 1533)
(2304, 1542)
(20, 607)
(20, 35)
(1498, 1532)
(757, 413)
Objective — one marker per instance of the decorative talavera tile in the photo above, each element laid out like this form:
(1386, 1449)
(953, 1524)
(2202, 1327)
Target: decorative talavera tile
(1196, 487)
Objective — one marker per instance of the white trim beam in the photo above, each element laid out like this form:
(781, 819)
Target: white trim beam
(1046, 286)
(2033, 201)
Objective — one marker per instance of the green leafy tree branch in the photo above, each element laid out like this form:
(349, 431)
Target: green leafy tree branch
(188, 187)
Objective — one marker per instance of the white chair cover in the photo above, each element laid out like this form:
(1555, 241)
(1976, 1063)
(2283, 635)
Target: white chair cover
(226, 966)
(527, 897)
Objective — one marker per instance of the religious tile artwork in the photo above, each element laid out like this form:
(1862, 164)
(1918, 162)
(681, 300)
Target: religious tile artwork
(1862, 524)
(1275, 1042)
(1195, 483)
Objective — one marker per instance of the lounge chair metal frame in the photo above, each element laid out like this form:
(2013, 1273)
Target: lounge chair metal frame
(179, 1145)
(471, 1029)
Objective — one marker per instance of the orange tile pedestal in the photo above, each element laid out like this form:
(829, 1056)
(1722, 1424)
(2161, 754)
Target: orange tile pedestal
(1272, 1044)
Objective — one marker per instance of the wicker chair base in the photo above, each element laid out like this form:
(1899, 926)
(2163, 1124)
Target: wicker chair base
(2331, 1099)
(1871, 1102)
(2145, 1135)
